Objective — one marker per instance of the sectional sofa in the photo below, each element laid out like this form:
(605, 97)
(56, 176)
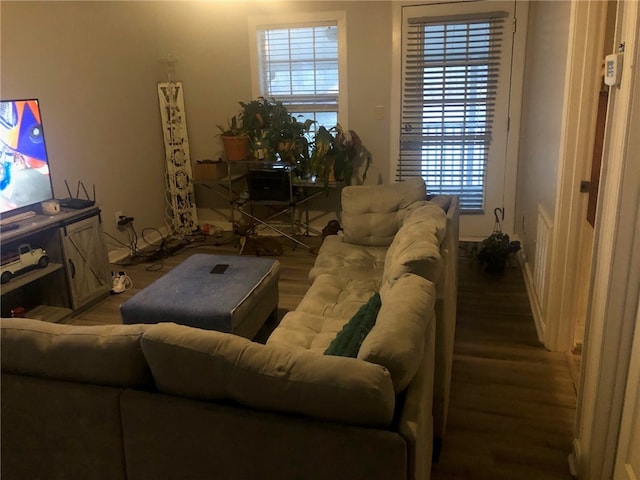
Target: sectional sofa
(390, 232)
(167, 401)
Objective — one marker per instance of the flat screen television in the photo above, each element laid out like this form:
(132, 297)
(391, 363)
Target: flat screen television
(24, 165)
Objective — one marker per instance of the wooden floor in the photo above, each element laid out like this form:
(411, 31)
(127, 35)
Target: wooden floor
(512, 402)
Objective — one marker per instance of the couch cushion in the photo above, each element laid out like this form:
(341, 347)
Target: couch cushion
(306, 331)
(416, 246)
(443, 201)
(336, 296)
(397, 339)
(348, 260)
(211, 365)
(371, 215)
(324, 310)
(101, 354)
(348, 340)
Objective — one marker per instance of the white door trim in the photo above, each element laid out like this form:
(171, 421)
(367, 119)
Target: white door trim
(628, 454)
(615, 282)
(582, 86)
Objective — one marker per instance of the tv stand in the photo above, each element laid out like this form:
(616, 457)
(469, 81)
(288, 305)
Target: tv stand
(76, 275)
(17, 218)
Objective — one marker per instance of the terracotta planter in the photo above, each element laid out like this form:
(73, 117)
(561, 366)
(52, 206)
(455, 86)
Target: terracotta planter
(236, 148)
(331, 177)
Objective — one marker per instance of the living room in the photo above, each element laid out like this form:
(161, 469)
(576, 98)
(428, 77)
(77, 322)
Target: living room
(95, 68)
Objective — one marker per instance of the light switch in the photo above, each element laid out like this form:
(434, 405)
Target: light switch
(378, 112)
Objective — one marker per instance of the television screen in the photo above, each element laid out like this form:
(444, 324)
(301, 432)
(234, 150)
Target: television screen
(24, 166)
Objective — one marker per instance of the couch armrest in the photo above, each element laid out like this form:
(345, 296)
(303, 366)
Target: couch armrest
(416, 421)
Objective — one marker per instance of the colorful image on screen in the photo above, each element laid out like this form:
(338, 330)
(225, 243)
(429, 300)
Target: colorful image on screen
(24, 166)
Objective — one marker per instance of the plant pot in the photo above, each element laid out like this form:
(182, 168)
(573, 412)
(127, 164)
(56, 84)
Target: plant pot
(497, 265)
(236, 148)
(331, 176)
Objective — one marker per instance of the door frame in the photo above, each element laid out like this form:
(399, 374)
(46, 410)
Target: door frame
(582, 87)
(615, 278)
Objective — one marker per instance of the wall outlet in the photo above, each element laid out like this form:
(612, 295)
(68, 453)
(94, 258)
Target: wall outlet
(117, 215)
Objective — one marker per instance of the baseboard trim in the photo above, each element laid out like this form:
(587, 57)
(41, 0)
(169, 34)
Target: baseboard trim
(574, 459)
(536, 308)
(574, 371)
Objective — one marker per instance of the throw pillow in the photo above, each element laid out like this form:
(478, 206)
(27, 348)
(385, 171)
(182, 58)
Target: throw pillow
(348, 340)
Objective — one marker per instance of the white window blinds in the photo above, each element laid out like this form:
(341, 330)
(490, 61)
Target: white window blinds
(298, 65)
(450, 77)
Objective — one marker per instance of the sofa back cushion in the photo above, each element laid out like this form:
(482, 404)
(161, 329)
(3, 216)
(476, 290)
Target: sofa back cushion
(100, 354)
(397, 339)
(416, 246)
(216, 366)
(371, 215)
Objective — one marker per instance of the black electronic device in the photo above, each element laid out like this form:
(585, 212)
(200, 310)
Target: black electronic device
(8, 227)
(269, 185)
(77, 202)
(219, 268)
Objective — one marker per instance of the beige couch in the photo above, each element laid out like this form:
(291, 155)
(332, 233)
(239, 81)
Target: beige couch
(390, 231)
(167, 401)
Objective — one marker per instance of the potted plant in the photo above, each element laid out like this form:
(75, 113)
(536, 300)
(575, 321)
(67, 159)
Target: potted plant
(321, 159)
(270, 123)
(495, 251)
(234, 139)
(256, 120)
(337, 153)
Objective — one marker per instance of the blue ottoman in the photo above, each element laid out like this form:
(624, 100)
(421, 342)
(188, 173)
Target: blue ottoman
(239, 301)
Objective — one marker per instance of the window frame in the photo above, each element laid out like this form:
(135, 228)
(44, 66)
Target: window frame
(302, 20)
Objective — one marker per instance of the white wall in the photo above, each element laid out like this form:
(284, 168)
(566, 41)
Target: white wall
(95, 65)
(94, 71)
(540, 141)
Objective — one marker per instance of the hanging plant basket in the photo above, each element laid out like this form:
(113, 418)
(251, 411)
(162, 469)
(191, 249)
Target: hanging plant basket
(496, 249)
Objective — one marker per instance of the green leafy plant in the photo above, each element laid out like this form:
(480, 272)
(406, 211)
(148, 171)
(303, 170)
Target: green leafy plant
(270, 121)
(333, 154)
(495, 251)
(234, 127)
(337, 153)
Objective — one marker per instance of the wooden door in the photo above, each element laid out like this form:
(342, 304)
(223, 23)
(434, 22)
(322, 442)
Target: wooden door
(596, 162)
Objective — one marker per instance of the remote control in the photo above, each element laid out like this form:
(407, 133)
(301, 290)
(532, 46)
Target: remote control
(8, 227)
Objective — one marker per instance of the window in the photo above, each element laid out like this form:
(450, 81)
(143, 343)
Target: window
(451, 72)
(299, 63)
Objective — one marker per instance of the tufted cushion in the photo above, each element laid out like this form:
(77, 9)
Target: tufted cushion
(416, 246)
(101, 354)
(337, 296)
(397, 339)
(349, 260)
(212, 365)
(324, 310)
(371, 215)
(306, 331)
(348, 340)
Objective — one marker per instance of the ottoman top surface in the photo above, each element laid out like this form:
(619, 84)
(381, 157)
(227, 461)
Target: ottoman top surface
(191, 287)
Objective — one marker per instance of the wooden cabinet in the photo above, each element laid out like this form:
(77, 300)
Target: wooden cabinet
(77, 274)
(86, 261)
